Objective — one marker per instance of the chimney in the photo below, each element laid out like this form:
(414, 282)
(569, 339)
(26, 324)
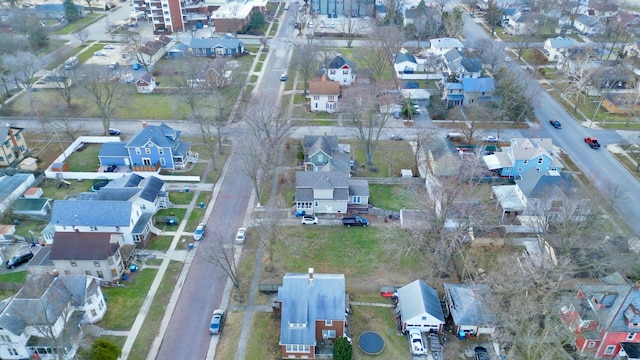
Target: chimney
(636, 286)
(310, 274)
(56, 272)
(144, 124)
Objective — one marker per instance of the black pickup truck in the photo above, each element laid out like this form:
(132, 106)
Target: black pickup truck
(354, 221)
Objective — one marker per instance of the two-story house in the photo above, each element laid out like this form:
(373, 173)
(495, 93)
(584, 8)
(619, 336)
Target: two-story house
(324, 94)
(342, 70)
(461, 66)
(146, 84)
(554, 47)
(13, 147)
(312, 312)
(604, 317)
(524, 154)
(95, 254)
(325, 186)
(227, 45)
(468, 91)
(42, 321)
(107, 216)
(588, 25)
(441, 46)
(152, 148)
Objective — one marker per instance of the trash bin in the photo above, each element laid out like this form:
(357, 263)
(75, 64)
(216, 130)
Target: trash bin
(125, 277)
(133, 268)
(186, 189)
(202, 205)
(191, 246)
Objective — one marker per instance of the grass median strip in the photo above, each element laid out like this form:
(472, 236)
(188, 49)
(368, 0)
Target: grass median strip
(124, 302)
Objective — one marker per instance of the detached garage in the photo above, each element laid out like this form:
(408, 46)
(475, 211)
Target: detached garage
(419, 307)
(469, 309)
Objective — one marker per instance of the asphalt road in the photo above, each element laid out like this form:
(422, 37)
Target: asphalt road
(187, 336)
(605, 172)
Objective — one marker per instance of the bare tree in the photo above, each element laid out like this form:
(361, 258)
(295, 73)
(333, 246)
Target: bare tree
(223, 255)
(23, 66)
(452, 23)
(529, 33)
(580, 74)
(380, 50)
(491, 53)
(107, 95)
(138, 50)
(306, 64)
(270, 227)
(493, 15)
(81, 35)
(423, 137)
(360, 109)
(352, 28)
(89, 5)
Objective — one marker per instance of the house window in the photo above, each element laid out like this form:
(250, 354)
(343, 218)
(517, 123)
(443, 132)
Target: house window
(328, 322)
(160, 151)
(117, 228)
(17, 136)
(96, 263)
(5, 338)
(13, 352)
(138, 151)
(519, 169)
(93, 313)
(316, 105)
(539, 160)
(345, 72)
(356, 199)
(332, 72)
(100, 275)
(1, 158)
(328, 334)
(73, 263)
(166, 13)
(330, 97)
(147, 151)
(320, 158)
(163, 162)
(297, 348)
(316, 97)
(317, 204)
(525, 161)
(87, 272)
(609, 350)
(591, 344)
(630, 336)
(424, 318)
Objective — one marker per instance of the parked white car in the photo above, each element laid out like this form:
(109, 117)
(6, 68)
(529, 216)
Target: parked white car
(415, 341)
(99, 53)
(308, 220)
(241, 236)
(199, 233)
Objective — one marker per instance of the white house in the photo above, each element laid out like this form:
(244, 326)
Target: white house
(419, 307)
(43, 319)
(441, 46)
(588, 25)
(146, 84)
(342, 70)
(324, 94)
(405, 63)
(554, 47)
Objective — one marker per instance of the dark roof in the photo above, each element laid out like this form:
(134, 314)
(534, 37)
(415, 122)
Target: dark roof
(29, 204)
(83, 246)
(632, 349)
(116, 194)
(339, 62)
(151, 188)
(226, 42)
(307, 181)
(315, 143)
(114, 149)
(411, 85)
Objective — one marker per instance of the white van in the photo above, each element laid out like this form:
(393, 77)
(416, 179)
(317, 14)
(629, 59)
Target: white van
(286, 6)
(70, 63)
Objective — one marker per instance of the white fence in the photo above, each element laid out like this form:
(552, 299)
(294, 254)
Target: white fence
(67, 175)
(422, 76)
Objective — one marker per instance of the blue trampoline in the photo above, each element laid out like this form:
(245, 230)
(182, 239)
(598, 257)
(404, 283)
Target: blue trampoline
(371, 343)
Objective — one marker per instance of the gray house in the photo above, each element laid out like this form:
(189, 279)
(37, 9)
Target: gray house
(469, 309)
(461, 66)
(226, 45)
(419, 307)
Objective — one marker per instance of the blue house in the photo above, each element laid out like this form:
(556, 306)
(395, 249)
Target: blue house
(224, 46)
(153, 148)
(524, 154)
(178, 50)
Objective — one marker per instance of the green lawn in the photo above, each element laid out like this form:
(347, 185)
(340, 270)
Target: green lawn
(389, 157)
(124, 302)
(18, 276)
(180, 197)
(156, 312)
(79, 24)
(51, 191)
(160, 243)
(179, 213)
(388, 197)
(85, 160)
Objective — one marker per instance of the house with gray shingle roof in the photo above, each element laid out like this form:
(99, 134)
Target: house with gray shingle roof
(312, 312)
(326, 187)
(469, 308)
(441, 46)
(419, 307)
(110, 216)
(588, 25)
(146, 83)
(554, 47)
(47, 313)
(405, 63)
(524, 154)
(152, 148)
(461, 66)
(227, 45)
(342, 70)
(324, 94)
(603, 316)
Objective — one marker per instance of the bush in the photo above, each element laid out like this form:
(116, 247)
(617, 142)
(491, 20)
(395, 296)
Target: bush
(342, 349)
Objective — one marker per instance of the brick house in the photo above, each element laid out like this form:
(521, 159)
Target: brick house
(312, 312)
(604, 317)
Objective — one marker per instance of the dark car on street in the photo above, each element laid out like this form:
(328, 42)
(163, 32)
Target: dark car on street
(114, 132)
(555, 123)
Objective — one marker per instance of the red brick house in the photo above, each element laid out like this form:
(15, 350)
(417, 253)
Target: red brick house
(312, 313)
(604, 316)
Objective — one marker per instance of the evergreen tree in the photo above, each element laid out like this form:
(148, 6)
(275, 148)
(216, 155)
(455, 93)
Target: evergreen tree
(342, 349)
(71, 12)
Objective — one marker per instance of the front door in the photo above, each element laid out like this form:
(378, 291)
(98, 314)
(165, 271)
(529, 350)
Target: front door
(146, 161)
